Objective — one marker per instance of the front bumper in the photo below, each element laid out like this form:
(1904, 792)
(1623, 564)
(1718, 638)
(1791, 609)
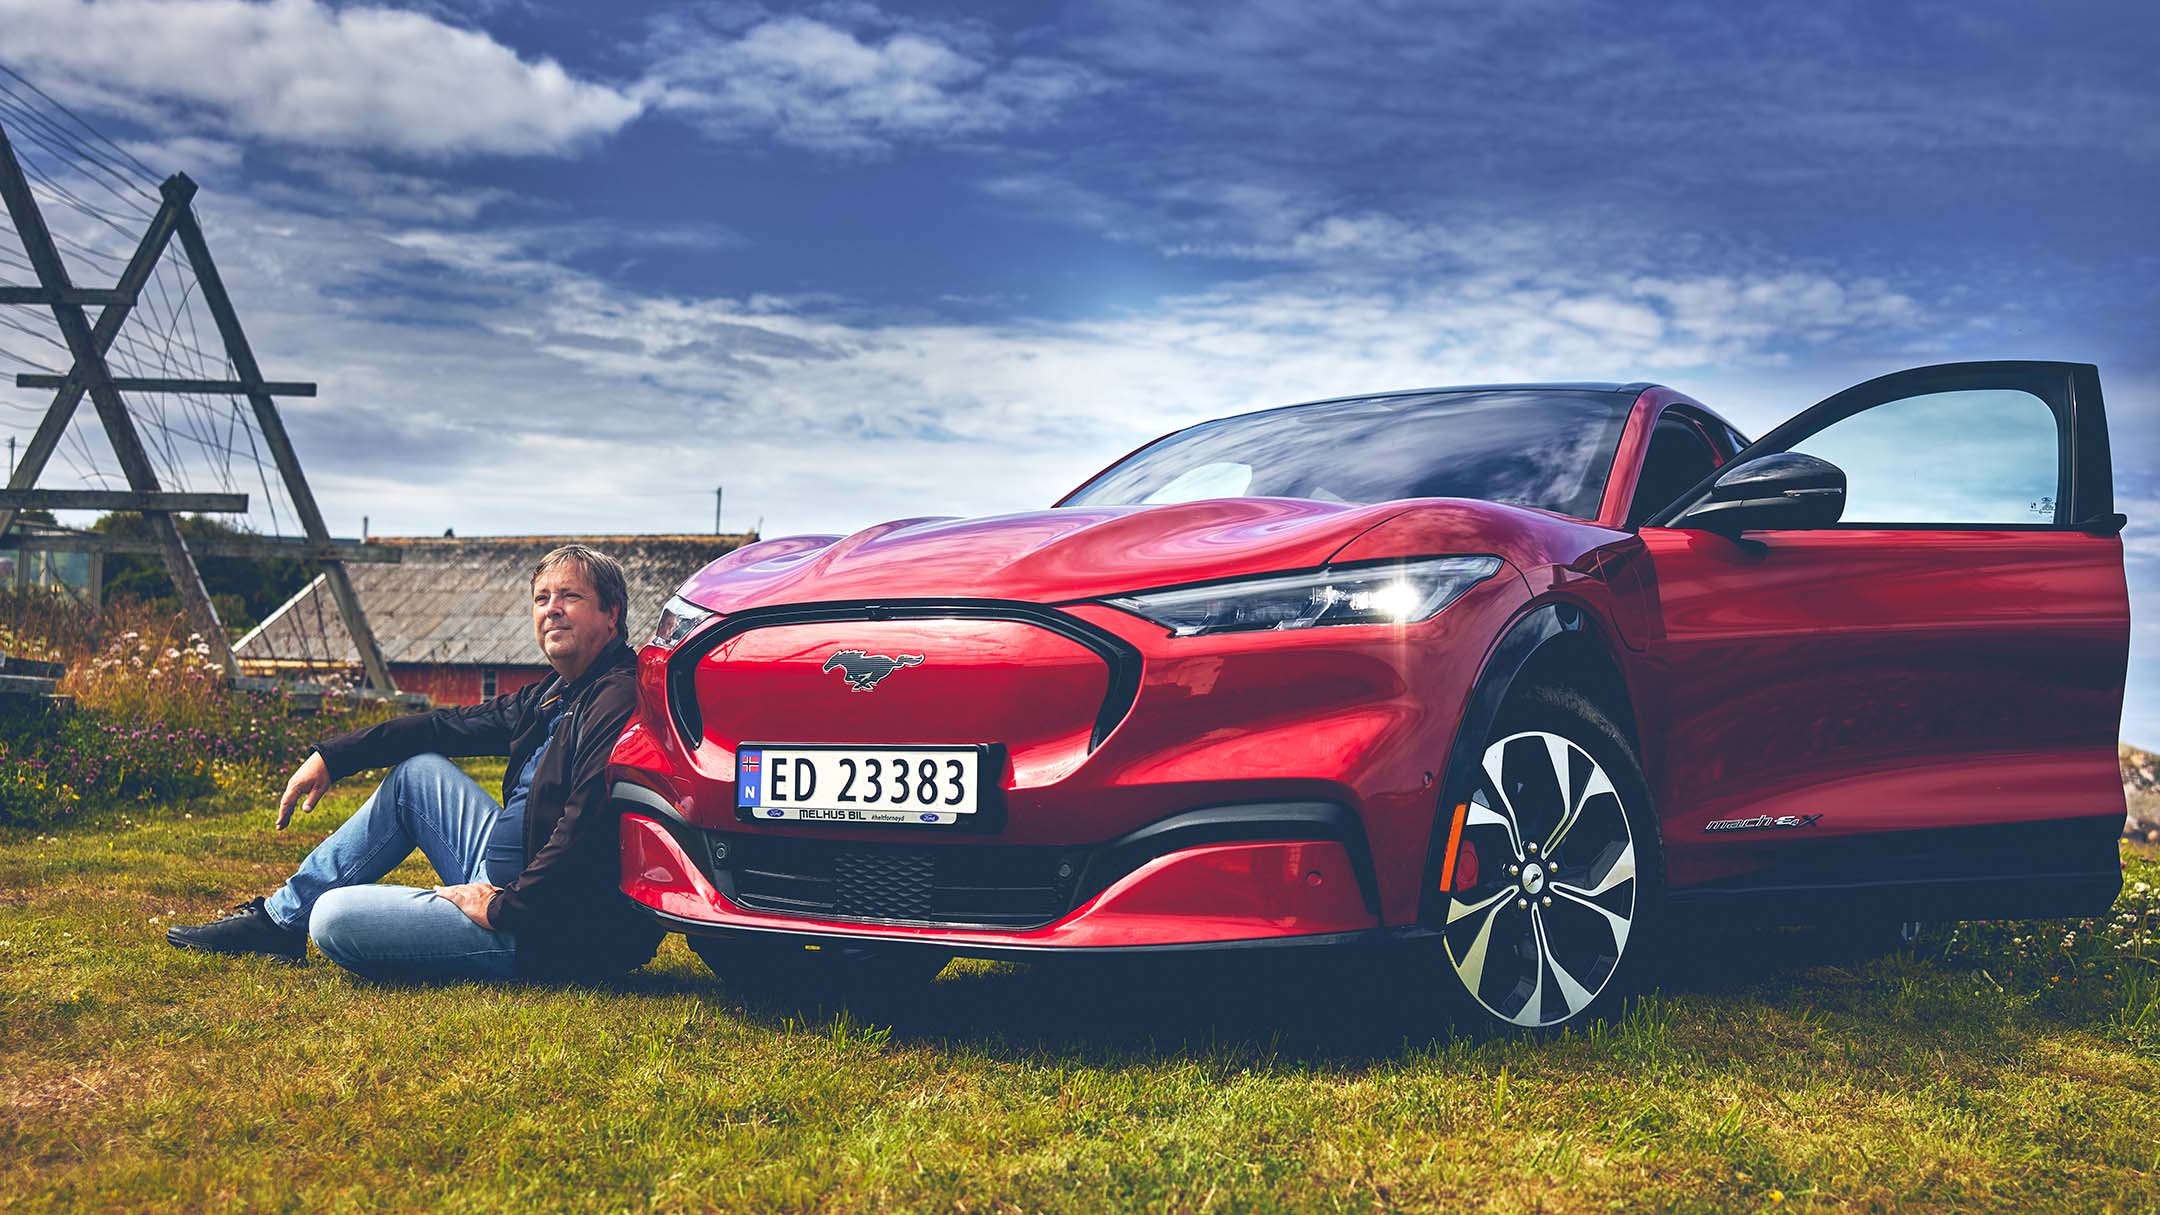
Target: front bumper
(1172, 888)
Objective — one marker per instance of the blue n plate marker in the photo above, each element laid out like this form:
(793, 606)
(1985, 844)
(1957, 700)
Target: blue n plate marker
(749, 778)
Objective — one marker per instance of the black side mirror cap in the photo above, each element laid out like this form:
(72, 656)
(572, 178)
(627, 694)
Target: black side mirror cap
(1785, 489)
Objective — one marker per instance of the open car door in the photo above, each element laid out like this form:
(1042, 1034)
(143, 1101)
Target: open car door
(1912, 710)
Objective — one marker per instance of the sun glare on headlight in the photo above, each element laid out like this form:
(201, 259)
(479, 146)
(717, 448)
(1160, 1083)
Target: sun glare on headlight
(1395, 601)
(1397, 592)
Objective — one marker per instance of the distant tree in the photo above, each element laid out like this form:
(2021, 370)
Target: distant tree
(243, 589)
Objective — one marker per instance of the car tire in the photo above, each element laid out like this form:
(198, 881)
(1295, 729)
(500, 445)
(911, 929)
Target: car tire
(1552, 914)
(761, 969)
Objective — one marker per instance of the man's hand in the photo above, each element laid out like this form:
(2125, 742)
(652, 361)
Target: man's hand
(308, 784)
(472, 899)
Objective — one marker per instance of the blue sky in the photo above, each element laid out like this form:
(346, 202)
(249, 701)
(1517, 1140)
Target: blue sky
(564, 268)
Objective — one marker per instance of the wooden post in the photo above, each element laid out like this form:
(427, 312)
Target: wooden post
(274, 436)
(96, 379)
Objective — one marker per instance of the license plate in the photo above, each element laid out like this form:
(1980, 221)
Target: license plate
(836, 784)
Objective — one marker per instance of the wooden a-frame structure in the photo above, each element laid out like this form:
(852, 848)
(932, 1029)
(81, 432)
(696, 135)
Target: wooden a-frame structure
(87, 344)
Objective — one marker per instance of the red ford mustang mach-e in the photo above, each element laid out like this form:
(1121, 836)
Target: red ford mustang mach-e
(1517, 672)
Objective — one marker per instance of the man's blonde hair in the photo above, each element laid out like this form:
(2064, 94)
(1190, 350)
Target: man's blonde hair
(605, 574)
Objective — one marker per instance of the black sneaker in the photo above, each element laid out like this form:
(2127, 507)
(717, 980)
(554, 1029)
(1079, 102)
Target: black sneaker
(247, 928)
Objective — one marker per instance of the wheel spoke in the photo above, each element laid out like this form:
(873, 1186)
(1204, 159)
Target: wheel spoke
(1472, 967)
(1598, 785)
(1533, 1010)
(1613, 920)
(1622, 869)
(1457, 910)
(1572, 994)
(1556, 753)
(1505, 815)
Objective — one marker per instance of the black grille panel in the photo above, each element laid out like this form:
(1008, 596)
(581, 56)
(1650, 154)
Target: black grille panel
(894, 886)
(955, 885)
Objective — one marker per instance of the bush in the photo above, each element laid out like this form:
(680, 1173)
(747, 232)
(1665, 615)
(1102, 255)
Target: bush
(43, 626)
(152, 721)
(148, 673)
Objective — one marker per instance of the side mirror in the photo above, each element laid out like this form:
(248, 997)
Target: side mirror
(1784, 489)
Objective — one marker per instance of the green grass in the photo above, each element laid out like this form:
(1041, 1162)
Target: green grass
(1997, 1069)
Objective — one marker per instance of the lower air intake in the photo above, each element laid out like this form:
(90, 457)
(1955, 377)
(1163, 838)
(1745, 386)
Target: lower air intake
(955, 886)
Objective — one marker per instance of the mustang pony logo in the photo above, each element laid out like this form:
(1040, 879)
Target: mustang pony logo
(863, 671)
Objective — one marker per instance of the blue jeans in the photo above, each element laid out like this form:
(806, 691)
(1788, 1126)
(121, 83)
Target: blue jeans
(402, 931)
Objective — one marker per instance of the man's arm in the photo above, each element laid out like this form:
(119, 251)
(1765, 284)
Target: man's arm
(584, 838)
(481, 729)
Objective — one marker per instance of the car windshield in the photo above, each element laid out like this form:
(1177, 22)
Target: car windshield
(1545, 447)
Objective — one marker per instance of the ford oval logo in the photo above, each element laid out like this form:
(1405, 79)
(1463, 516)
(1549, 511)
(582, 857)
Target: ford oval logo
(775, 813)
(928, 818)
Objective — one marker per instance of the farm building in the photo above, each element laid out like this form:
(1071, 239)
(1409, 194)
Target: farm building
(451, 614)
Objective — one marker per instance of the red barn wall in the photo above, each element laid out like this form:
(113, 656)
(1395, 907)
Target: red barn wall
(461, 685)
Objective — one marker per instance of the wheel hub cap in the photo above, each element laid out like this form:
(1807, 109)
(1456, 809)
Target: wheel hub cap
(1533, 879)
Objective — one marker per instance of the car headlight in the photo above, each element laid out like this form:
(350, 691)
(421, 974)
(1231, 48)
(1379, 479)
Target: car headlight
(1397, 592)
(677, 619)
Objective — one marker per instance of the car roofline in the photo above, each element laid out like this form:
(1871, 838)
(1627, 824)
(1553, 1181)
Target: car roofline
(1635, 388)
(1632, 390)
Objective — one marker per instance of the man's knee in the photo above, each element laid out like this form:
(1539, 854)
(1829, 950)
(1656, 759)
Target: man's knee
(337, 925)
(416, 780)
(420, 768)
(355, 926)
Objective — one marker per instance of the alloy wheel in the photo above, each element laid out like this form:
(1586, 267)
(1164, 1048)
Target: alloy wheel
(1546, 886)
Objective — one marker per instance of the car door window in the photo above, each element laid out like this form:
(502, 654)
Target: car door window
(1967, 458)
(1678, 457)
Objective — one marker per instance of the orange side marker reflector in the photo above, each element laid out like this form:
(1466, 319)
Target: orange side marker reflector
(1454, 843)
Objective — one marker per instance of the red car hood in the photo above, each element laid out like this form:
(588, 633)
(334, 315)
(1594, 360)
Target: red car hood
(1045, 556)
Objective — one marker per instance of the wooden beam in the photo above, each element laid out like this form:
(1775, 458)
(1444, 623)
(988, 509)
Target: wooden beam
(228, 388)
(115, 499)
(297, 548)
(132, 280)
(212, 286)
(26, 685)
(89, 363)
(97, 297)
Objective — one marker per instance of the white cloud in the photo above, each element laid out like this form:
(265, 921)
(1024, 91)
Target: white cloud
(1007, 414)
(1778, 309)
(818, 85)
(344, 184)
(198, 157)
(302, 72)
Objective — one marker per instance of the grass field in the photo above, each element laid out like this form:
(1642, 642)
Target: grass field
(2002, 1067)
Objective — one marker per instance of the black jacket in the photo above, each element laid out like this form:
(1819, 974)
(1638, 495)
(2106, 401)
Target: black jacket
(566, 907)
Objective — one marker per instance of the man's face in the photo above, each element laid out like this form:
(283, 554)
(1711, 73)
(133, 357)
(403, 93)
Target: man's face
(568, 621)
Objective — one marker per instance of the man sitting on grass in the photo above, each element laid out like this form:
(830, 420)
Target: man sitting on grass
(529, 885)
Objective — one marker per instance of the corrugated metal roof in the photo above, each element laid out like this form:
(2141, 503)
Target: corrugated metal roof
(463, 601)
